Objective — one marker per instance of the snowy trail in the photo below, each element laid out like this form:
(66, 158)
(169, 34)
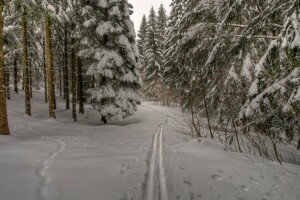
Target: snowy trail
(162, 176)
(156, 155)
(150, 178)
(45, 189)
(143, 157)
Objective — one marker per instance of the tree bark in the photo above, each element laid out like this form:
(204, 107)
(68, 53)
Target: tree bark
(25, 63)
(29, 67)
(45, 71)
(60, 77)
(66, 70)
(73, 72)
(4, 129)
(80, 86)
(16, 74)
(50, 72)
(6, 71)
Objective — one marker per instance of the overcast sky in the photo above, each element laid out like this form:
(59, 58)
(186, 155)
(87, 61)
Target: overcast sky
(142, 7)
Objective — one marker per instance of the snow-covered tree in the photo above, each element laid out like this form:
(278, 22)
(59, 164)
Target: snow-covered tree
(273, 98)
(142, 39)
(109, 43)
(161, 24)
(153, 57)
(172, 51)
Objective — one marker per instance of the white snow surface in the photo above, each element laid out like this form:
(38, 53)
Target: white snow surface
(142, 157)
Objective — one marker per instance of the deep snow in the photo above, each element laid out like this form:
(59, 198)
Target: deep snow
(142, 157)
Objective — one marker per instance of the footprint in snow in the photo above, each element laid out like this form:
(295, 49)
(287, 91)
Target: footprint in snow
(254, 180)
(124, 168)
(188, 183)
(216, 177)
(245, 188)
(272, 196)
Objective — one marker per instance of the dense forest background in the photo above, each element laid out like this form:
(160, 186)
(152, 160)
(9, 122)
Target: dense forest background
(232, 66)
(235, 63)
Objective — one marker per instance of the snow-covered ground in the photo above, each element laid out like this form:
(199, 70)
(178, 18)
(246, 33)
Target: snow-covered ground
(142, 157)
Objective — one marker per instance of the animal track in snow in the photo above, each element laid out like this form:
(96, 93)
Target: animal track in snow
(216, 177)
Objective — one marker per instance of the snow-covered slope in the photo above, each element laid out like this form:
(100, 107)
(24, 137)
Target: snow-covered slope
(142, 157)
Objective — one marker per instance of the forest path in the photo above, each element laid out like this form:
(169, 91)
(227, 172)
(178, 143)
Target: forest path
(155, 163)
(142, 157)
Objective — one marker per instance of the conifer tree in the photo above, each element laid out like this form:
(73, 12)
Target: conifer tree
(161, 25)
(152, 74)
(142, 40)
(110, 48)
(171, 49)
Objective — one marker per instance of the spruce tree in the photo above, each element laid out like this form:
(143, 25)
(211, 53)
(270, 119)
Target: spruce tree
(152, 74)
(142, 40)
(161, 25)
(110, 48)
(172, 53)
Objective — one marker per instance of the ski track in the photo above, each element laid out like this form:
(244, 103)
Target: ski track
(150, 178)
(45, 173)
(156, 155)
(162, 177)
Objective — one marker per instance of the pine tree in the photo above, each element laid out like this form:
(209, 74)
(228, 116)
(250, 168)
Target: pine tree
(152, 74)
(172, 51)
(142, 40)
(161, 25)
(113, 58)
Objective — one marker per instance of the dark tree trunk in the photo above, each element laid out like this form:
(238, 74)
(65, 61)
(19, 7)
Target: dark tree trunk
(60, 77)
(45, 71)
(80, 86)
(29, 67)
(7, 77)
(73, 72)
(16, 74)
(66, 70)
(4, 129)
(50, 71)
(25, 63)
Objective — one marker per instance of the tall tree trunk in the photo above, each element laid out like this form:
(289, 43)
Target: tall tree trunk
(50, 72)
(4, 129)
(45, 71)
(16, 74)
(7, 80)
(29, 66)
(80, 86)
(73, 73)
(66, 70)
(60, 77)
(25, 63)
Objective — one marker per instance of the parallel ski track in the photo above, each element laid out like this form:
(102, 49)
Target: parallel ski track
(156, 155)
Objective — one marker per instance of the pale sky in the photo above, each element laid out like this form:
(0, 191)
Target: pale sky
(142, 7)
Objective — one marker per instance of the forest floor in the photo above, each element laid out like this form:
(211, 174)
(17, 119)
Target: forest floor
(142, 157)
